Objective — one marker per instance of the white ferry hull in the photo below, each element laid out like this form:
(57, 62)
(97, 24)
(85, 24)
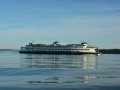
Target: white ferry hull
(58, 52)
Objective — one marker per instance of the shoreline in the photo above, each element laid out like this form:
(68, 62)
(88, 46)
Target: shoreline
(103, 51)
(109, 51)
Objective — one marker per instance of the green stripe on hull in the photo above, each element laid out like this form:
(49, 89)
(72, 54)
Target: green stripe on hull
(56, 52)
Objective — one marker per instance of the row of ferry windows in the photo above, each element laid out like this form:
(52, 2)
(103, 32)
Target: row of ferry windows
(60, 46)
(56, 49)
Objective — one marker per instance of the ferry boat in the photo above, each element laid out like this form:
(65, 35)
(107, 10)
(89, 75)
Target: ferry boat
(57, 48)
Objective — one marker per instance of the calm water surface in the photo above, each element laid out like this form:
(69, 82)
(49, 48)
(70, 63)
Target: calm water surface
(59, 72)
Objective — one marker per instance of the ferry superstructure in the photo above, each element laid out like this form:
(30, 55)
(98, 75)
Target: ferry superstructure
(57, 48)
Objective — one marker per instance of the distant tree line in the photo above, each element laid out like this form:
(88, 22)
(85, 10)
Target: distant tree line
(110, 51)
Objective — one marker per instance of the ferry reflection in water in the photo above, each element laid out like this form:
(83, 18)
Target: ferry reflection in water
(62, 69)
(60, 61)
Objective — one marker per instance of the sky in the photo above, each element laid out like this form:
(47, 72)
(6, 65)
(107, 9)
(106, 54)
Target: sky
(67, 21)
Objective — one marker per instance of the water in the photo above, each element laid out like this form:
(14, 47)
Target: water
(59, 72)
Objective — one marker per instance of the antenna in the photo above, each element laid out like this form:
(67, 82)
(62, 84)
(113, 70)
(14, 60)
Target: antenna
(33, 41)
